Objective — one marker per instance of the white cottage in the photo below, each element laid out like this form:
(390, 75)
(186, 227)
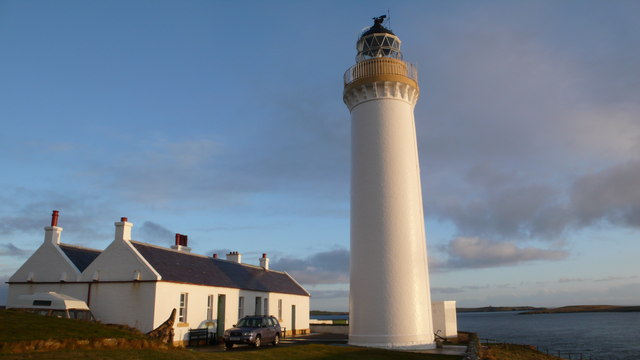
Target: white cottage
(139, 284)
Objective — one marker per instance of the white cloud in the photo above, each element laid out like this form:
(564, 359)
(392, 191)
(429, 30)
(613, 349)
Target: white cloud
(480, 253)
(327, 267)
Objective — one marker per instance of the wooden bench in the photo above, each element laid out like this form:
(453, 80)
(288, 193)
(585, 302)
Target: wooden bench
(199, 335)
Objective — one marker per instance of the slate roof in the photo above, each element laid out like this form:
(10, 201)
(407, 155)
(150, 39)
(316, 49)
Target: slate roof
(81, 257)
(182, 267)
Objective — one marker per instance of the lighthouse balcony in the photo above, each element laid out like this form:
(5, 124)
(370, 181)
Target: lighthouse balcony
(381, 68)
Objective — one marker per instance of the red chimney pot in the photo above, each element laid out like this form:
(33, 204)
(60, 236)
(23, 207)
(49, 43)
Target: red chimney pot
(178, 239)
(54, 218)
(124, 219)
(264, 255)
(215, 256)
(183, 240)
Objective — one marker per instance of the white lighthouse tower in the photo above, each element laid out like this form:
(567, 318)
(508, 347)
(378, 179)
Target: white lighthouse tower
(390, 300)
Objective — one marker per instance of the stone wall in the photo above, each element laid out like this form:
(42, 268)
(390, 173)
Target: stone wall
(473, 348)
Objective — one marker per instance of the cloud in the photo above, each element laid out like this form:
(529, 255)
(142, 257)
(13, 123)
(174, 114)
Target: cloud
(515, 127)
(303, 151)
(571, 280)
(616, 278)
(503, 204)
(483, 253)
(610, 194)
(28, 211)
(329, 294)
(12, 250)
(328, 267)
(456, 290)
(4, 289)
(156, 233)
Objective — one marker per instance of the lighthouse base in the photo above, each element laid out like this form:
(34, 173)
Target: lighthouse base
(396, 342)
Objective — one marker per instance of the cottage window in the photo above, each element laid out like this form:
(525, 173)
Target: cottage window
(280, 309)
(258, 305)
(266, 306)
(241, 307)
(182, 315)
(210, 307)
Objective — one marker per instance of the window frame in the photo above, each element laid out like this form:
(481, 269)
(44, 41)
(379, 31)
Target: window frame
(210, 301)
(240, 307)
(183, 306)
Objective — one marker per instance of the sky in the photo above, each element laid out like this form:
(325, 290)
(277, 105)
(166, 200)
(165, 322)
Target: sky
(224, 121)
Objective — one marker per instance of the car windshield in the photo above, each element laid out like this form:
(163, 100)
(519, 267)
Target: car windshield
(250, 322)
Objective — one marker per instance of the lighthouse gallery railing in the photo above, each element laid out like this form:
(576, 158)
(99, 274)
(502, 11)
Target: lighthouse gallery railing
(380, 66)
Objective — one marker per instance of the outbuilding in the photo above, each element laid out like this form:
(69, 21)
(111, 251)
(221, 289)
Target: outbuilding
(139, 284)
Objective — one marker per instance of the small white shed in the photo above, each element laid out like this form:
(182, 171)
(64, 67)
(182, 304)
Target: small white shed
(445, 322)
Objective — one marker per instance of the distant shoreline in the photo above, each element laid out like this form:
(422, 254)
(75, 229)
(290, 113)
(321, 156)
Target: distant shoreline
(524, 310)
(499, 308)
(584, 308)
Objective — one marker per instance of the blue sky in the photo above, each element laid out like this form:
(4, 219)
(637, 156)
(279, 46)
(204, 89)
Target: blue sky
(224, 121)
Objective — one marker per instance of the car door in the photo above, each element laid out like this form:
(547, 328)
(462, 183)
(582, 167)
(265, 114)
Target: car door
(269, 329)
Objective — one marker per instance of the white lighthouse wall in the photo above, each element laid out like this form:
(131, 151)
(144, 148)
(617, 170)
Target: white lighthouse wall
(390, 298)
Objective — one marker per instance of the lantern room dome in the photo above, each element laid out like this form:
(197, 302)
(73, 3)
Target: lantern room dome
(378, 41)
(377, 28)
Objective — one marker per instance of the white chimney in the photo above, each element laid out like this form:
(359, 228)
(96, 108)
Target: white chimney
(52, 233)
(264, 261)
(123, 229)
(234, 256)
(181, 243)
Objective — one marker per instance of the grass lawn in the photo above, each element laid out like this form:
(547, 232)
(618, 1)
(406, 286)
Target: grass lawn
(21, 326)
(515, 352)
(313, 351)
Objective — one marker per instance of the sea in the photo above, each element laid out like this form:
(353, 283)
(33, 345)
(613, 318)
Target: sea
(585, 336)
(588, 336)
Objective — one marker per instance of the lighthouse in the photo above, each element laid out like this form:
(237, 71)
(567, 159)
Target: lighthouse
(389, 300)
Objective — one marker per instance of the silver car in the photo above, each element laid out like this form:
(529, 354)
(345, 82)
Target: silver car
(253, 330)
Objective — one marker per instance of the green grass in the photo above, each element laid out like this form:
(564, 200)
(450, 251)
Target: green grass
(300, 352)
(21, 326)
(515, 352)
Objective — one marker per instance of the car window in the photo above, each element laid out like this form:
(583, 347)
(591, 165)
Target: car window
(271, 322)
(59, 313)
(80, 315)
(249, 322)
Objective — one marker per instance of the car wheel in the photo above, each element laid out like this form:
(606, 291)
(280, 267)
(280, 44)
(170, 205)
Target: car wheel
(276, 340)
(228, 345)
(258, 342)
